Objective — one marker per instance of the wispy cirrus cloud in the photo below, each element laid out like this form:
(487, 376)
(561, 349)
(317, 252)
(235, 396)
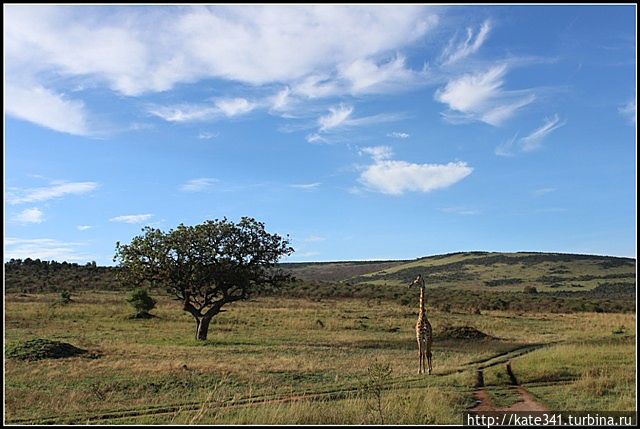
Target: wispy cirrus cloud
(398, 135)
(337, 116)
(340, 118)
(224, 107)
(531, 142)
(481, 97)
(84, 227)
(542, 191)
(534, 140)
(315, 138)
(306, 186)
(198, 185)
(33, 215)
(137, 218)
(57, 189)
(398, 177)
(460, 210)
(365, 76)
(457, 50)
(207, 135)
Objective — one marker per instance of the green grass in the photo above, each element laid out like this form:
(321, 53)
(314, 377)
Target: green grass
(271, 348)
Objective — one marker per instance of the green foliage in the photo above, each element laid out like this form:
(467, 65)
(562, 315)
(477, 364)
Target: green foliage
(31, 276)
(65, 297)
(205, 266)
(141, 302)
(378, 376)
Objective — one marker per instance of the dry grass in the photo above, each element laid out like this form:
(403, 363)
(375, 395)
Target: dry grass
(277, 347)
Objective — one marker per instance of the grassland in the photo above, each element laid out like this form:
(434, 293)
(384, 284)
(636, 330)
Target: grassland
(277, 360)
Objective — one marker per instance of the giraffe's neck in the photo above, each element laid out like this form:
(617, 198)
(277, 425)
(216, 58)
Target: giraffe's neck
(423, 311)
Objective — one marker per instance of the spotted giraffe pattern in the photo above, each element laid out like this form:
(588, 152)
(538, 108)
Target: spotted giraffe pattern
(424, 333)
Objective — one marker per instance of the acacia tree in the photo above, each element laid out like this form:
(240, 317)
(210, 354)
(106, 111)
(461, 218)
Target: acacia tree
(205, 266)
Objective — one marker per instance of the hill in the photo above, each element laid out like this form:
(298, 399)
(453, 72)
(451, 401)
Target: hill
(496, 271)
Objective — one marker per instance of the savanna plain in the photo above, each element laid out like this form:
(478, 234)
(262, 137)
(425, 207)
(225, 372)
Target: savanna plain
(322, 358)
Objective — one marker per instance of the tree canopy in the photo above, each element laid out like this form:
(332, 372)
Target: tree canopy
(205, 266)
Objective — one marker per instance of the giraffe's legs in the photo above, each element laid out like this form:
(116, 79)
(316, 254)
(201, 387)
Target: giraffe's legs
(420, 357)
(429, 357)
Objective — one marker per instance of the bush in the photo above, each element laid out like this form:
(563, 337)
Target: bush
(65, 297)
(142, 303)
(530, 289)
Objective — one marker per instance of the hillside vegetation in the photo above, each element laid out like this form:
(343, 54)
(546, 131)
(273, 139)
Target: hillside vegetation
(469, 281)
(509, 271)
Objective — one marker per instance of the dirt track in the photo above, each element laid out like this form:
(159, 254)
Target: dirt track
(528, 402)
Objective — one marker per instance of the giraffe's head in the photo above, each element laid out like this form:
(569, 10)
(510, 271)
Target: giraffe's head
(418, 281)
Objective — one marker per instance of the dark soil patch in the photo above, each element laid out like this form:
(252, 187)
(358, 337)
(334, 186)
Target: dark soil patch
(42, 349)
(462, 333)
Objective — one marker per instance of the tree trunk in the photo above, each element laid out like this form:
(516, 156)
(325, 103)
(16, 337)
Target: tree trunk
(202, 328)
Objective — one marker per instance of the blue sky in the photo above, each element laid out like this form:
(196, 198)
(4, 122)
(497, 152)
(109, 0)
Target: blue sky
(380, 132)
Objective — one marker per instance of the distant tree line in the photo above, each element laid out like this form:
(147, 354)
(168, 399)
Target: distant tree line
(34, 275)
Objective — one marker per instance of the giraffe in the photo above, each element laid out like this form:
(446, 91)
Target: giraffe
(424, 334)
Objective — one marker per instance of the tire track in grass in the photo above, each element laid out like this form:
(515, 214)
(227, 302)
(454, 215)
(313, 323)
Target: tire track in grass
(337, 393)
(527, 401)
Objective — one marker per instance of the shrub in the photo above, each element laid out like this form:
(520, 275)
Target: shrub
(142, 303)
(65, 297)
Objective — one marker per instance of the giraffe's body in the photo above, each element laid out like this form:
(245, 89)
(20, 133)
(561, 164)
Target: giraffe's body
(424, 333)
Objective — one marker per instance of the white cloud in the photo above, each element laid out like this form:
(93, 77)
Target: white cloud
(227, 107)
(318, 86)
(281, 100)
(231, 107)
(84, 227)
(56, 190)
(365, 76)
(184, 112)
(542, 191)
(629, 111)
(340, 117)
(456, 51)
(206, 135)
(336, 116)
(534, 140)
(480, 97)
(397, 177)
(306, 186)
(378, 153)
(33, 215)
(138, 50)
(315, 138)
(47, 109)
(506, 148)
(314, 51)
(139, 218)
(460, 210)
(198, 185)
(398, 135)
(44, 249)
